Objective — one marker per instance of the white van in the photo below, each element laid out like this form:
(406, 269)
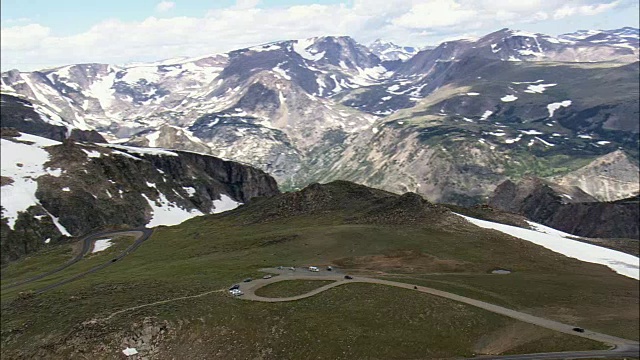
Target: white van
(313, 268)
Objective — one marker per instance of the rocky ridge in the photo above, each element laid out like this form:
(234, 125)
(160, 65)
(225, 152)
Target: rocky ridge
(568, 209)
(55, 189)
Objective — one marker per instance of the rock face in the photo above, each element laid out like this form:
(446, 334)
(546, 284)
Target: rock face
(51, 189)
(569, 209)
(20, 114)
(610, 177)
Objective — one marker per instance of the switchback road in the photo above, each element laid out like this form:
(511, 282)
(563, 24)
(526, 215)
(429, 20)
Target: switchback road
(249, 289)
(141, 235)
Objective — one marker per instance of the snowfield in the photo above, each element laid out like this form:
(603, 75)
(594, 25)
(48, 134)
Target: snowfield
(24, 163)
(561, 242)
(168, 213)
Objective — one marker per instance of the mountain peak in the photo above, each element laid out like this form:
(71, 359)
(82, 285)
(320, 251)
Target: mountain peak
(389, 51)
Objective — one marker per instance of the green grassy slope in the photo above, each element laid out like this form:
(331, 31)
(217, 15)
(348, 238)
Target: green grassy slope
(352, 321)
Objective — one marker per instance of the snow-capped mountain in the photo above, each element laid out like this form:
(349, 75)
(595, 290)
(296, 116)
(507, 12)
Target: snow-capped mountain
(311, 109)
(626, 37)
(388, 51)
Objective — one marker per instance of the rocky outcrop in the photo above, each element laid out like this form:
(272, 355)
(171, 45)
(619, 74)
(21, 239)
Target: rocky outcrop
(610, 177)
(350, 203)
(568, 209)
(509, 196)
(90, 186)
(20, 114)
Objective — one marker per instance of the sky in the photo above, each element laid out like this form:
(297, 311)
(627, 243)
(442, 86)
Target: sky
(39, 34)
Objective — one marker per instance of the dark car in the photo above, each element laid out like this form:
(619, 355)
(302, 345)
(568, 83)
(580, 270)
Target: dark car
(234, 286)
(114, 260)
(348, 277)
(415, 288)
(247, 280)
(577, 329)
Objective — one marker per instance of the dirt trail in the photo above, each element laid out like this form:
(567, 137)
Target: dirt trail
(159, 303)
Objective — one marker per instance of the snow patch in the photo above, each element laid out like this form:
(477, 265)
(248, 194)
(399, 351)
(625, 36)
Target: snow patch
(152, 138)
(538, 89)
(282, 72)
(531, 132)
(92, 153)
(511, 141)
(557, 105)
(101, 245)
(141, 151)
(562, 243)
(301, 46)
(486, 115)
(544, 142)
(165, 212)
(224, 204)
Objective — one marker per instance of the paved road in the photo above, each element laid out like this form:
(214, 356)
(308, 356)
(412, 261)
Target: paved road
(617, 353)
(141, 235)
(250, 288)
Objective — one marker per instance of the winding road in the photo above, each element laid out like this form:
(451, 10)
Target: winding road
(141, 235)
(622, 347)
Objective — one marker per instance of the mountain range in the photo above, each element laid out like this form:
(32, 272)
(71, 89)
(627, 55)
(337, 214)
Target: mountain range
(449, 122)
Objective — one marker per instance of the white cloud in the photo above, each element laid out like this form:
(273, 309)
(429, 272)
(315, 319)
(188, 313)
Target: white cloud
(165, 6)
(406, 22)
(585, 10)
(246, 4)
(435, 14)
(24, 37)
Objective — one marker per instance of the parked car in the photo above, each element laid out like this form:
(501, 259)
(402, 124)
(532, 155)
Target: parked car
(348, 277)
(279, 267)
(329, 268)
(267, 277)
(247, 280)
(292, 268)
(577, 329)
(313, 269)
(234, 287)
(236, 292)
(415, 288)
